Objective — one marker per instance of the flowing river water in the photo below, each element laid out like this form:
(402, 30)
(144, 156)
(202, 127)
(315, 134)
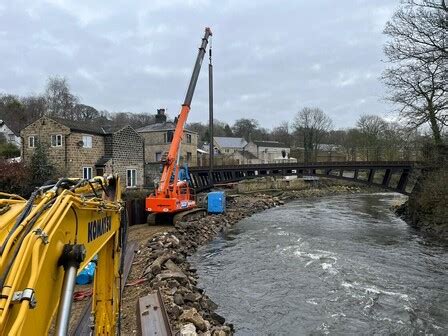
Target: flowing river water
(339, 265)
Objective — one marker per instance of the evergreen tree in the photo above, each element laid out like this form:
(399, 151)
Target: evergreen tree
(41, 169)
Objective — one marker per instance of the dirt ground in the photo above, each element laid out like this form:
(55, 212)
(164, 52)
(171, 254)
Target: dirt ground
(140, 233)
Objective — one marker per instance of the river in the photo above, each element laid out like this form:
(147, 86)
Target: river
(339, 265)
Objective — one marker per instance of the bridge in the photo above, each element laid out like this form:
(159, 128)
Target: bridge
(390, 175)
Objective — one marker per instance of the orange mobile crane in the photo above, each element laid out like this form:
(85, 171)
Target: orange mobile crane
(173, 196)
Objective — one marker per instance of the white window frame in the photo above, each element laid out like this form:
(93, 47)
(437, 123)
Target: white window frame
(58, 140)
(86, 171)
(132, 181)
(189, 139)
(87, 141)
(32, 141)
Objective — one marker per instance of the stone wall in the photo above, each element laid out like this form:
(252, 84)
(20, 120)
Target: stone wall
(269, 183)
(154, 143)
(79, 157)
(128, 153)
(42, 129)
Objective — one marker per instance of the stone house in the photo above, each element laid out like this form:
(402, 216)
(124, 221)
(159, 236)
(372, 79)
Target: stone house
(244, 157)
(158, 137)
(11, 135)
(80, 149)
(267, 151)
(229, 145)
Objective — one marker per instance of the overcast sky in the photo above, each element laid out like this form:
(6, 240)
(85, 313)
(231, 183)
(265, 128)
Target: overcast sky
(271, 58)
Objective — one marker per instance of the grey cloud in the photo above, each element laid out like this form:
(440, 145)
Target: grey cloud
(271, 57)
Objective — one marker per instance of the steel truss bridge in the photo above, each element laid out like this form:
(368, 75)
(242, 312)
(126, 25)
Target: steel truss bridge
(390, 175)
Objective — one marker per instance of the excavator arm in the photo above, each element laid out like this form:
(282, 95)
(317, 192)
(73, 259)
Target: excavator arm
(45, 241)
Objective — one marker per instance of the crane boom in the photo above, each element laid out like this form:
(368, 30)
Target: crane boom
(170, 163)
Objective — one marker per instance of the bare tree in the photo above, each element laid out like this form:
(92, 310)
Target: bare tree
(418, 50)
(85, 112)
(282, 134)
(372, 129)
(312, 124)
(60, 101)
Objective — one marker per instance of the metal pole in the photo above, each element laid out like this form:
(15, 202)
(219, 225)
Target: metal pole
(65, 306)
(210, 109)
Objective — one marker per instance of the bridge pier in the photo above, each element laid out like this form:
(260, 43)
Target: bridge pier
(386, 178)
(401, 187)
(371, 176)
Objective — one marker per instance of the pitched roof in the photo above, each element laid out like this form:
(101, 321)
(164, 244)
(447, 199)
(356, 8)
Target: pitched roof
(88, 127)
(164, 126)
(229, 142)
(275, 144)
(12, 127)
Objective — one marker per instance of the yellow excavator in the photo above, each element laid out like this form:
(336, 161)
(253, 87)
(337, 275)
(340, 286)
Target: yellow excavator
(46, 240)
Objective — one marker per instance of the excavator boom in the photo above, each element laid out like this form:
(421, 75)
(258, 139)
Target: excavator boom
(45, 241)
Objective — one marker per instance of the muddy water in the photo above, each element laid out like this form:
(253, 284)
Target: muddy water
(342, 265)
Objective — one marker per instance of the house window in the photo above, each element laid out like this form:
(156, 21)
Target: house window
(168, 136)
(87, 173)
(32, 141)
(188, 156)
(11, 138)
(131, 178)
(56, 140)
(189, 138)
(158, 156)
(86, 141)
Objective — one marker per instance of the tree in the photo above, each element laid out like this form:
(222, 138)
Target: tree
(372, 128)
(418, 51)
(311, 124)
(8, 151)
(228, 131)
(60, 101)
(85, 112)
(35, 107)
(41, 170)
(245, 128)
(282, 134)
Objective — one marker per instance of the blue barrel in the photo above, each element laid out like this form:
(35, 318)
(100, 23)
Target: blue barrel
(216, 202)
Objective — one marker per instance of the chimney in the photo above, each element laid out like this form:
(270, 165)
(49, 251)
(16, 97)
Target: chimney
(160, 116)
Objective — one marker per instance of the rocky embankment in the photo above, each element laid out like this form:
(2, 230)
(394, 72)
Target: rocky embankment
(427, 210)
(163, 259)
